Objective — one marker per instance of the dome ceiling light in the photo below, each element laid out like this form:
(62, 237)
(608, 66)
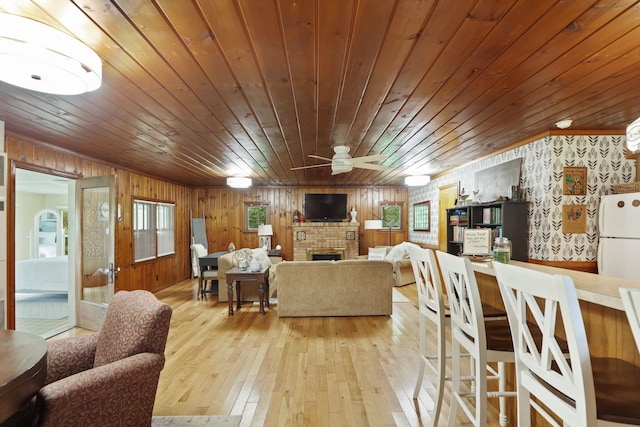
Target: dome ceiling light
(38, 57)
(564, 124)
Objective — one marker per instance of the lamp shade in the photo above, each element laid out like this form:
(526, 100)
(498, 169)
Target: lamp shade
(373, 224)
(238, 182)
(38, 57)
(265, 230)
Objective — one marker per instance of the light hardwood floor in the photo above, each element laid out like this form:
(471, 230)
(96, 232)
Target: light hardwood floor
(331, 371)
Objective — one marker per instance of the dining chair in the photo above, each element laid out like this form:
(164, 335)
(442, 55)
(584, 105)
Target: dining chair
(431, 308)
(484, 342)
(199, 251)
(575, 388)
(631, 301)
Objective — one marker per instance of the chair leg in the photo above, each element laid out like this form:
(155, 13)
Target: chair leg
(423, 352)
(502, 386)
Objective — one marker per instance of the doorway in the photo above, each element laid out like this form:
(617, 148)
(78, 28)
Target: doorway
(44, 304)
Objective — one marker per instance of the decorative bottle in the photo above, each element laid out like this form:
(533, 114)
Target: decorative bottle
(502, 249)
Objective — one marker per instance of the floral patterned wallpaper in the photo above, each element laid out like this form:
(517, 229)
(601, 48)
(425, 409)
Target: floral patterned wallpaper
(541, 180)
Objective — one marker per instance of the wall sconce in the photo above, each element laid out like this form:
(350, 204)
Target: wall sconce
(38, 57)
(416, 180)
(238, 182)
(265, 231)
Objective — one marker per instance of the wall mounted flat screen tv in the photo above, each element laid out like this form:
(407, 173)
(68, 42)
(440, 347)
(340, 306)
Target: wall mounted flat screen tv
(325, 207)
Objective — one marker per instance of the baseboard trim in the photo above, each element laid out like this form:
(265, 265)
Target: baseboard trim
(586, 266)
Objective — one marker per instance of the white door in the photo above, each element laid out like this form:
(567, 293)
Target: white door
(619, 215)
(616, 257)
(95, 272)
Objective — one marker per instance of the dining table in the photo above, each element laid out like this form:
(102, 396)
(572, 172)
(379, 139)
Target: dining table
(23, 371)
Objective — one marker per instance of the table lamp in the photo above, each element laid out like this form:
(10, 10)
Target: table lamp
(265, 231)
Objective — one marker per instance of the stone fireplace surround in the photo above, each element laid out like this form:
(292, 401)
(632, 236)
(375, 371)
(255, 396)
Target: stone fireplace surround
(325, 237)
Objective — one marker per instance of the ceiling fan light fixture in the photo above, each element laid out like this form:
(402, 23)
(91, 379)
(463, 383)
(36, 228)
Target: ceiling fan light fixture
(238, 182)
(564, 124)
(416, 180)
(38, 57)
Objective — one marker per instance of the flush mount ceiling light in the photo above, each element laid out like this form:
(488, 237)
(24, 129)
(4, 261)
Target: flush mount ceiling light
(38, 57)
(238, 182)
(416, 180)
(633, 136)
(563, 124)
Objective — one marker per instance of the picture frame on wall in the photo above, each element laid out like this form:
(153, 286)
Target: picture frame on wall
(574, 219)
(574, 181)
(422, 216)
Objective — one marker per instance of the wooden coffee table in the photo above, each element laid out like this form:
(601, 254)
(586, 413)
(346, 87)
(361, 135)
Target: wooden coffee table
(239, 276)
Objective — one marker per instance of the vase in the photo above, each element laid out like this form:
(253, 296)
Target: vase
(354, 214)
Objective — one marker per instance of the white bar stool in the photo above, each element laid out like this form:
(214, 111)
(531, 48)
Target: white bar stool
(485, 342)
(576, 389)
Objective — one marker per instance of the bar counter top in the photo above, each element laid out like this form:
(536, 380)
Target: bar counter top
(594, 288)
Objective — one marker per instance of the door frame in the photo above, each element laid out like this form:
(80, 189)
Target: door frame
(446, 194)
(10, 300)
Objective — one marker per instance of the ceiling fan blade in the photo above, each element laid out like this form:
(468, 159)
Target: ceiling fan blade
(373, 158)
(319, 157)
(370, 166)
(310, 166)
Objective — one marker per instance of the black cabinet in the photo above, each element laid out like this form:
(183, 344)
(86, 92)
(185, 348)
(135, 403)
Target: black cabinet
(510, 218)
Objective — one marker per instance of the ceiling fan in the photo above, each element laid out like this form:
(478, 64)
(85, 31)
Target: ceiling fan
(342, 161)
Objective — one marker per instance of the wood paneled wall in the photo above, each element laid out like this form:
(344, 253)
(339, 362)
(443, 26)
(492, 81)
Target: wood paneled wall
(149, 275)
(223, 209)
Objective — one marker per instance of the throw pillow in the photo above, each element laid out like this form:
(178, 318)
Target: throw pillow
(377, 253)
(262, 256)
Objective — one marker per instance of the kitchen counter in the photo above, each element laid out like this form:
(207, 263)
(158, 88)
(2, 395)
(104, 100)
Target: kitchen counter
(593, 288)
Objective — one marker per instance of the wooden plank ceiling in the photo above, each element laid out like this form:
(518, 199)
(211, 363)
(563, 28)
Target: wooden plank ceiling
(198, 90)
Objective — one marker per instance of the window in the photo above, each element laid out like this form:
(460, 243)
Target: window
(153, 229)
(421, 216)
(391, 214)
(255, 214)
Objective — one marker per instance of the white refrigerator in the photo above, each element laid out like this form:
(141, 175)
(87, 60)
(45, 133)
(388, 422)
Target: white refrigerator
(619, 236)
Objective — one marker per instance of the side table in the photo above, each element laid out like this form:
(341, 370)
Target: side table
(23, 370)
(239, 276)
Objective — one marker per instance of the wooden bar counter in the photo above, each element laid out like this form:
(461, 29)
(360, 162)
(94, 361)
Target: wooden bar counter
(606, 324)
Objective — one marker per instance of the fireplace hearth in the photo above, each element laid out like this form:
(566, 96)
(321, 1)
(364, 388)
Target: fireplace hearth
(325, 254)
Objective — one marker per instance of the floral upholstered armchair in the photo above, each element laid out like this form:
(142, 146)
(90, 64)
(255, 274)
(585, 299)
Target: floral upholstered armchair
(109, 378)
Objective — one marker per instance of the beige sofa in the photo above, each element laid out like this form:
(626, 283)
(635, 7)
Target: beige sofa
(334, 288)
(402, 270)
(249, 289)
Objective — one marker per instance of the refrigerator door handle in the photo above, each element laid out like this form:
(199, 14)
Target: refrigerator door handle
(603, 203)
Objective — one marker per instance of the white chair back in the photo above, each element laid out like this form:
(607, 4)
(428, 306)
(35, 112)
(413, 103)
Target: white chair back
(631, 301)
(431, 308)
(428, 283)
(467, 319)
(545, 372)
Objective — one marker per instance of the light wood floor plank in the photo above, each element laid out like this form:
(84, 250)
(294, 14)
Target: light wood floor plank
(333, 371)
